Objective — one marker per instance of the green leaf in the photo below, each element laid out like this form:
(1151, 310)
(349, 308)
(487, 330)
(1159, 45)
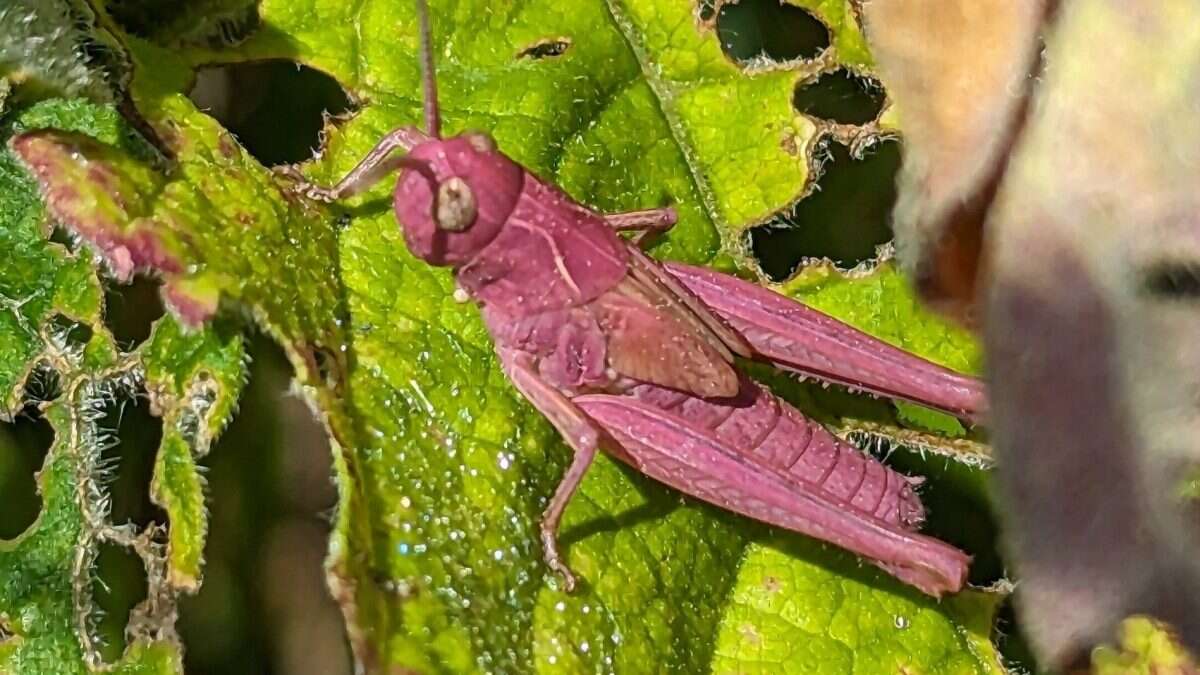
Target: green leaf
(797, 615)
(53, 48)
(443, 470)
(52, 331)
(194, 380)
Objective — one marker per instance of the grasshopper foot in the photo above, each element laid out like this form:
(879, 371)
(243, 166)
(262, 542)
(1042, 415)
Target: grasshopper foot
(554, 559)
(301, 184)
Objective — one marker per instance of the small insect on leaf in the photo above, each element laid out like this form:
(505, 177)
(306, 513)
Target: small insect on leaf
(545, 49)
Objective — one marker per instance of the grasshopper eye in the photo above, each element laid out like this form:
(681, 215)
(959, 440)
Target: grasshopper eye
(455, 208)
(480, 141)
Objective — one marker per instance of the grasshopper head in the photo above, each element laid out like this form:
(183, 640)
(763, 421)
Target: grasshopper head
(454, 197)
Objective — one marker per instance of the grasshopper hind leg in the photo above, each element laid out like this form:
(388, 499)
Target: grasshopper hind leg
(584, 454)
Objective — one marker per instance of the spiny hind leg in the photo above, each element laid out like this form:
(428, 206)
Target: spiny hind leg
(378, 163)
(580, 433)
(646, 223)
(552, 517)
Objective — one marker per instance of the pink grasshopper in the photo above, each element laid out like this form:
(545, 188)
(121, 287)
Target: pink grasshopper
(623, 353)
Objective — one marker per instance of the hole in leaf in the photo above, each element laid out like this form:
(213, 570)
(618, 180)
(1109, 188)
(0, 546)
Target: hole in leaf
(841, 96)
(151, 18)
(69, 333)
(129, 454)
(544, 49)
(843, 219)
(270, 494)
(119, 585)
(43, 384)
(130, 311)
(275, 108)
(1010, 637)
(327, 366)
(64, 237)
(23, 446)
(765, 29)
(231, 29)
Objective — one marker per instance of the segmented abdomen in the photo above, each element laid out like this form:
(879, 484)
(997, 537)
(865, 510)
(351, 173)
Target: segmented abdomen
(760, 425)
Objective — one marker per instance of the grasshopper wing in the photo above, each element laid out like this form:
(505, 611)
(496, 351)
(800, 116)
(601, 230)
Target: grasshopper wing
(693, 460)
(660, 332)
(799, 338)
(653, 339)
(669, 291)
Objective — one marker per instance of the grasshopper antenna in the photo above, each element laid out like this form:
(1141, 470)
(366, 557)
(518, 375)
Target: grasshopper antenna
(432, 121)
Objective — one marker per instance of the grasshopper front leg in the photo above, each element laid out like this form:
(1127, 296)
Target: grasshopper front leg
(646, 220)
(378, 163)
(645, 223)
(578, 431)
